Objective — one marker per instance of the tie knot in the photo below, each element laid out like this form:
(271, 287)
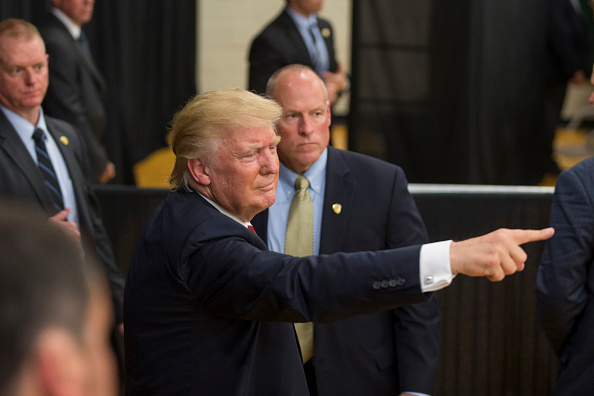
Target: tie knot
(301, 183)
(38, 134)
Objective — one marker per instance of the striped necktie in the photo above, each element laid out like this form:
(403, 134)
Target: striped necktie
(44, 163)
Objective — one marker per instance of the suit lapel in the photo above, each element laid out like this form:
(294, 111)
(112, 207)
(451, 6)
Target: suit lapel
(86, 61)
(13, 147)
(74, 170)
(91, 67)
(328, 40)
(297, 42)
(340, 186)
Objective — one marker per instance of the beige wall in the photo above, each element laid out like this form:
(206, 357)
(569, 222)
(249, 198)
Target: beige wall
(227, 27)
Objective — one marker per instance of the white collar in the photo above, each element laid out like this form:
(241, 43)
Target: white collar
(72, 27)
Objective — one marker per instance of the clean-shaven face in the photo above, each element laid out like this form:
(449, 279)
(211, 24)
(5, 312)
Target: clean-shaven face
(244, 171)
(305, 125)
(23, 74)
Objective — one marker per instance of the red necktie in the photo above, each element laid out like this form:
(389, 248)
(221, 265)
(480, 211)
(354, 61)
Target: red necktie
(251, 228)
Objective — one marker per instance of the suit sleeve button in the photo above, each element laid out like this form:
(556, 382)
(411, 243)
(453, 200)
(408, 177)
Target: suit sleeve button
(377, 285)
(393, 283)
(400, 281)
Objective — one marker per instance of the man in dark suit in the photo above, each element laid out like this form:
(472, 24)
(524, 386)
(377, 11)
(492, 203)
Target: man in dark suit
(387, 353)
(297, 35)
(77, 89)
(209, 309)
(23, 83)
(565, 280)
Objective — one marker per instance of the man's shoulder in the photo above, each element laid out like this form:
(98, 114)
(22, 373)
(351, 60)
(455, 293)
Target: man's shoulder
(60, 125)
(50, 25)
(279, 24)
(580, 174)
(586, 166)
(185, 216)
(361, 161)
(56, 37)
(324, 23)
(65, 133)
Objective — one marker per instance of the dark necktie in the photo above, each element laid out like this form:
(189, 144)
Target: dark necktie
(83, 42)
(44, 163)
(299, 242)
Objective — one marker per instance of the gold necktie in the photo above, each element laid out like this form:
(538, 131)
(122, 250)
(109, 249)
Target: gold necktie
(299, 243)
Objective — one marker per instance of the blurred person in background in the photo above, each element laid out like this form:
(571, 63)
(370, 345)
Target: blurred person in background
(77, 90)
(299, 36)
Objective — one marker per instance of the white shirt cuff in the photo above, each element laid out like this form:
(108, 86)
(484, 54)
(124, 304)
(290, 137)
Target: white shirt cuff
(434, 268)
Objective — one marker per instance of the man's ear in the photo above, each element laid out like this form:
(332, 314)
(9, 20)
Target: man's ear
(199, 171)
(60, 364)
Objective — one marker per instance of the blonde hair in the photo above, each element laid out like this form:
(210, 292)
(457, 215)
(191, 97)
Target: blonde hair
(199, 127)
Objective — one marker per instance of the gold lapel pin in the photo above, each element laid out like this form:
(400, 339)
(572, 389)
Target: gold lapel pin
(64, 140)
(337, 208)
(325, 32)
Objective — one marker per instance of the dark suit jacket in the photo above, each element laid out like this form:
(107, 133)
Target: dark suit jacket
(388, 352)
(565, 280)
(207, 307)
(567, 42)
(20, 180)
(280, 44)
(76, 91)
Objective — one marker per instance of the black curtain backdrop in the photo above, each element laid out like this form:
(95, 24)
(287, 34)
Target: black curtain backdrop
(450, 91)
(147, 52)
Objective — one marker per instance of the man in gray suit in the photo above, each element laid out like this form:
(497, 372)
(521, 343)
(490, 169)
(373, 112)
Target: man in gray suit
(23, 83)
(77, 89)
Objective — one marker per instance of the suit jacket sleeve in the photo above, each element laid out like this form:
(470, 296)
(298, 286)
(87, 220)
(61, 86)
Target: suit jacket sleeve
(416, 326)
(568, 255)
(232, 278)
(65, 98)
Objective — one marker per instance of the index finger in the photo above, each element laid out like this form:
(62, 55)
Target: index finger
(525, 236)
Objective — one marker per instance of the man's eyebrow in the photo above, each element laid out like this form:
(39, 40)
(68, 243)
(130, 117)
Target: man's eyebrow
(251, 149)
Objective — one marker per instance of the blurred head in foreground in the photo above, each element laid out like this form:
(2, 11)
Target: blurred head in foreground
(55, 312)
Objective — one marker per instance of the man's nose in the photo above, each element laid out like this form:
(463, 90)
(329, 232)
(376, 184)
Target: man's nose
(29, 76)
(305, 125)
(270, 162)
